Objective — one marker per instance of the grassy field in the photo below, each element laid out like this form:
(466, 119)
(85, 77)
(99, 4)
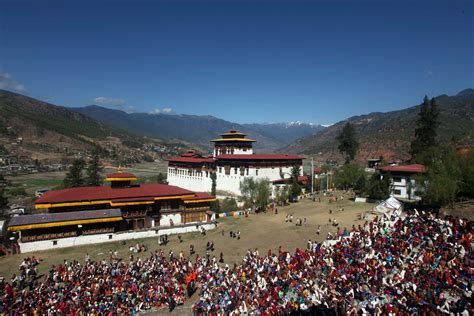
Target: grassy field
(146, 173)
(262, 231)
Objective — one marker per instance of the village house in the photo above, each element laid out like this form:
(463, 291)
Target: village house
(403, 181)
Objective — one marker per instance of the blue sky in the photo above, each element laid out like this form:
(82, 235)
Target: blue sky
(243, 61)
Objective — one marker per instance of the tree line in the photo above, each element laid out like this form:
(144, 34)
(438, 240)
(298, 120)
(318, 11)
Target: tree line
(75, 176)
(449, 176)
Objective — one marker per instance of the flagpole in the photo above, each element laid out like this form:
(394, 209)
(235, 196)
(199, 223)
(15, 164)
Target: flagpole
(312, 178)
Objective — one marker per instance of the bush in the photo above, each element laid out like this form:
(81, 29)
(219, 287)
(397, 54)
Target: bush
(17, 191)
(228, 205)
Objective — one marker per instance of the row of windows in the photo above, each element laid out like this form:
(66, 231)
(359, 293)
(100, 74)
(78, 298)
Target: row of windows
(194, 217)
(205, 208)
(188, 172)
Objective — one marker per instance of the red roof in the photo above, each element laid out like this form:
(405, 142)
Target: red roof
(301, 179)
(192, 159)
(201, 196)
(260, 157)
(121, 175)
(415, 168)
(190, 153)
(83, 194)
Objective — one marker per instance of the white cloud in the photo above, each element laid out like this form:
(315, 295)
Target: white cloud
(161, 111)
(119, 103)
(8, 83)
(155, 111)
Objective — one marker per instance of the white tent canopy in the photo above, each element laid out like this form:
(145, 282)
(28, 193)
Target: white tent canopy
(387, 208)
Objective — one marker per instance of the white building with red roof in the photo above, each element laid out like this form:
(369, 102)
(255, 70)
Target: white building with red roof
(119, 211)
(403, 180)
(233, 160)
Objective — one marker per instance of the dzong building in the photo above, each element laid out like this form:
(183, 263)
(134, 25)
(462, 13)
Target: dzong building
(232, 161)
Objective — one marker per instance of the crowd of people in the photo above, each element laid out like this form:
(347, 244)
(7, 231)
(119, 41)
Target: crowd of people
(416, 264)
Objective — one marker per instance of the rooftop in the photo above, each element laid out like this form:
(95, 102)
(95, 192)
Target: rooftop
(233, 133)
(260, 157)
(233, 139)
(63, 219)
(121, 176)
(301, 180)
(191, 159)
(106, 194)
(414, 168)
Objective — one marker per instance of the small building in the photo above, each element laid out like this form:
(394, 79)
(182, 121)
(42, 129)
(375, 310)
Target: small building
(286, 182)
(373, 163)
(123, 210)
(403, 182)
(317, 171)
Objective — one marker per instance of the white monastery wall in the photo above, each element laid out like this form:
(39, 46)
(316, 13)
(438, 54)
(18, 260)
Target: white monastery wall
(231, 182)
(197, 181)
(102, 238)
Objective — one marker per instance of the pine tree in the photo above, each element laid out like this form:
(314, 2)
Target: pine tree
(348, 143)
(161, 178)
(94, 170)
(3, 203)
(295, 188)
(215, 206)
(74, 175)
(213, 179)
(426, 127)
(378, 187)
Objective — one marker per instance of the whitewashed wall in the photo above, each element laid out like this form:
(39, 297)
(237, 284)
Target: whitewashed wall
(403, 186)
(102, 238)
(165, 219)
(231, 183)
(197, 182)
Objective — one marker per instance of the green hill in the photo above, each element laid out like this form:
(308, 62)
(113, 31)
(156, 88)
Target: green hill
(29, 127)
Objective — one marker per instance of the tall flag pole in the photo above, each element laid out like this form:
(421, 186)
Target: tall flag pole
(312, 178)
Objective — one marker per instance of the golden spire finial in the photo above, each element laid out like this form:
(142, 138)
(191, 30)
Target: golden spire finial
(119, 169)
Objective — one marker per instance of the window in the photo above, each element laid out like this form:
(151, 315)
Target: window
(55, 242)
(110, 236)
(397, 179)
(247, 171)
(165, 205)
(397, 192)
(194, 217)
(235, 170)
(227, 170)
(256, 172)
(220, 169)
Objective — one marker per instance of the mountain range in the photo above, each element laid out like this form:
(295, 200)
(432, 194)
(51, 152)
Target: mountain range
(389, 134)
(200, 129)
(38, 130)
